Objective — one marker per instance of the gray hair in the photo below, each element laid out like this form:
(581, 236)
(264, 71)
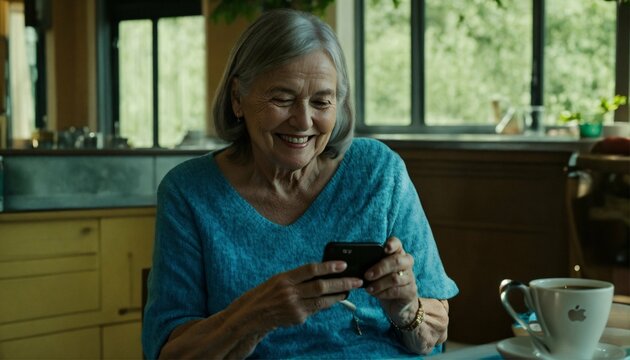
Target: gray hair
(274, 39)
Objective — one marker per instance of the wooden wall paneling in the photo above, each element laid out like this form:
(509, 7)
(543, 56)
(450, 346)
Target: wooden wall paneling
(71, 47)
(220, 38)
(494, 215)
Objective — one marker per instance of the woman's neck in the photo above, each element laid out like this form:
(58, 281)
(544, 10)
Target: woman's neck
(265, 175)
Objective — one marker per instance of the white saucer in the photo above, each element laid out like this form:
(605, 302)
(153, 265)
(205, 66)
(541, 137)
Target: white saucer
(520, 347)
(616, 336)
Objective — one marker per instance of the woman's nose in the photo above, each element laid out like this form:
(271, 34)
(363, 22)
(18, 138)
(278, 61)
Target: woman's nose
(301, 116)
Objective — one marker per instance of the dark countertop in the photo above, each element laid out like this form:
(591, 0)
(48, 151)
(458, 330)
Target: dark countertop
(104, 152)
(490, 142)
(424, 141)
(106, 178)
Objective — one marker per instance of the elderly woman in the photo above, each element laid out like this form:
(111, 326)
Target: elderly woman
(237, 268)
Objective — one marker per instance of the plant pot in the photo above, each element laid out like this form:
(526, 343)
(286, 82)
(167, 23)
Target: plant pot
(590, 130)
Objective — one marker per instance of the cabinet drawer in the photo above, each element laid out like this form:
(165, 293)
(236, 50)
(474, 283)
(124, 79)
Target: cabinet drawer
(43, 296)
(79, 344)
(44, 239)
(38, 267)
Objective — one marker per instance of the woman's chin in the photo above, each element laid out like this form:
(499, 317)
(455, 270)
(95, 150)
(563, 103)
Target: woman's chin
(296, 161)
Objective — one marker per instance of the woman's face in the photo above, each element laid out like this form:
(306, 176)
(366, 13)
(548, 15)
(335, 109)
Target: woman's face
(290, 111)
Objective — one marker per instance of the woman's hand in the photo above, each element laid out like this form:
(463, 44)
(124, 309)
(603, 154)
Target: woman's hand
(393, 282)
(290, 298)
(284, 300)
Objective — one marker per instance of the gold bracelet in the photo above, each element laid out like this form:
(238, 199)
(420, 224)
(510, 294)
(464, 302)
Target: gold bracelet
(419, 319)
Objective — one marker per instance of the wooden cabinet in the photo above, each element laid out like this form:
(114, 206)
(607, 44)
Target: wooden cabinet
(73, 278)
(52, 260)
(600, 209)
(127, 247)
(122, 341)
(495, 215)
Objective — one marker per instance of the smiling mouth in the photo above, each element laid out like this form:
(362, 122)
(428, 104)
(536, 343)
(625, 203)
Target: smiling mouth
(295, 139)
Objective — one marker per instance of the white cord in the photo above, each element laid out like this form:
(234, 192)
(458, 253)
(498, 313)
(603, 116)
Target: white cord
(348, 305)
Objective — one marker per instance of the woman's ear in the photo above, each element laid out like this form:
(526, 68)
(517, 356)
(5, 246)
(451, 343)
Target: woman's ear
(236, 98)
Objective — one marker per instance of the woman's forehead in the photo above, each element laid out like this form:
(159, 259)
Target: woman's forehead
(314, 67)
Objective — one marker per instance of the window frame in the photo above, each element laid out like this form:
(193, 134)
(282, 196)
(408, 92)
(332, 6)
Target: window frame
(622, 66)
(111, 13)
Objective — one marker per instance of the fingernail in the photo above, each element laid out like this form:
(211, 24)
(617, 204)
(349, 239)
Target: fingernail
(388, 248)
(340, 266)
(358, 283)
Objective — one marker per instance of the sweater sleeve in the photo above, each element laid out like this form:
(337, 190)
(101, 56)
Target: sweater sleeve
(176, 291)
(409, 223)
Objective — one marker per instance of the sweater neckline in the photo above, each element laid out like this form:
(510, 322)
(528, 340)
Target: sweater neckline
(243, 205)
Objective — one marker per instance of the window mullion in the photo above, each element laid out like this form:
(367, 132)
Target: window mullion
(622, 59)
(417, 63)
(154, 26)
(359, 64)
(115, 79)
(538, 59)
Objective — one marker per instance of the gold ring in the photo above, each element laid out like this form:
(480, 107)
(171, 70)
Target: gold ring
(401, 272)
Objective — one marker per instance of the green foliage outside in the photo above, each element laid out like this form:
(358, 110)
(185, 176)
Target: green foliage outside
(181, 79)
(387, 63)
(477, 51)
(579, 55)
(135, 90)
(229, 10)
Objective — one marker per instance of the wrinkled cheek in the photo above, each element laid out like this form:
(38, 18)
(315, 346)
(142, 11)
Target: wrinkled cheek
(327, 125)
(322, 141)
(265, 131)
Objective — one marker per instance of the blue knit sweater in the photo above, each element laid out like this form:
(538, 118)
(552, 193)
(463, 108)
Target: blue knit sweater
(211, 246)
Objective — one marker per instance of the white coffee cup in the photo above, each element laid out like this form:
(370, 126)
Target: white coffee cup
(572, 314)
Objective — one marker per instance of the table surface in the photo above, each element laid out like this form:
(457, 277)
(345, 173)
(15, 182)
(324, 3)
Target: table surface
(483, 352)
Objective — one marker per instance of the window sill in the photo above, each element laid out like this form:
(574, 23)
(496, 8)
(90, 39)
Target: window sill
(487, 142)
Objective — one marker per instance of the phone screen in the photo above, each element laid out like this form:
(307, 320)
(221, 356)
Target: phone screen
(360, 256)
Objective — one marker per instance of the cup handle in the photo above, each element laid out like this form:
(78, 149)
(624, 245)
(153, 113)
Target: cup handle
(538, 341)
(508, 285)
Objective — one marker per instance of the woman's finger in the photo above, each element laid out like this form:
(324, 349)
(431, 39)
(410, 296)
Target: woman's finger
(391, 264)
(314, 270)
(393, 285)
(317, 304)
(393, 245)
(322, 287)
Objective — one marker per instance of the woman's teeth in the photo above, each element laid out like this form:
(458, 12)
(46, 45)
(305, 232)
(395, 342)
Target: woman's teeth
(294, 139)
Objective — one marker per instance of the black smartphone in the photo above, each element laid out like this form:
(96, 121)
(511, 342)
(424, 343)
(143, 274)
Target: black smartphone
(360, 256)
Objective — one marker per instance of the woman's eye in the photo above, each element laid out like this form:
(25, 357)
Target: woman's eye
(321, 104)
(282, 101)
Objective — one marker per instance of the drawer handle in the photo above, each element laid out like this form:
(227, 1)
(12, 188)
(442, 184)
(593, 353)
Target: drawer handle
(129, 310)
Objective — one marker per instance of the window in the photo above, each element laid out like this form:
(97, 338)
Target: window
(475, 54)
(456, 66)
(22, 73)
(388, 64)
(580, 53)
(135, 82)
(158, 71)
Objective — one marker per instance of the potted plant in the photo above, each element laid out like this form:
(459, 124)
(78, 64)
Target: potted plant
(591, 124)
